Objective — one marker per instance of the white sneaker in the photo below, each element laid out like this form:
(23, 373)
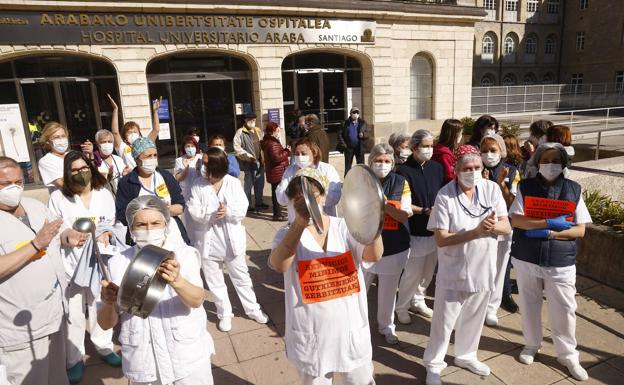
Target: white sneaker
(491, 320)
(404, 318)
(391, 338)
(575, 369)
(259, 317)
(527, 356)
(433, 378)
(225, 324)
(422, 309)
(475, 366)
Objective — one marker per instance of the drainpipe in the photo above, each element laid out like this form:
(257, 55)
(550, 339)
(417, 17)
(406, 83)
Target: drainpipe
(564, 3)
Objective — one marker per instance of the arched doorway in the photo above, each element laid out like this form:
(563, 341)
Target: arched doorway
(322, 83)
(70, 89)
(204, 90)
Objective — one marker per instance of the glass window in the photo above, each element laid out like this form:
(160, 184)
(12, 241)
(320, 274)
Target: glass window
(584, 4)
(530, 45)
(580, 41)
(549, 78)
(8, 94)
(490, 5)
(488, 45)
(52, 66)
(6, 71)
(530, 79)
(511, 5)
(421, 98)
(549, 46)
(552, 6)
(510, 45)
(532, 5)
(619, 81)
(509, 80)
(577, 80)
(487, 81)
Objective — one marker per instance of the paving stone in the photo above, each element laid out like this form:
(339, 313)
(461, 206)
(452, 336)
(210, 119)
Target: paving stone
(507, 368)
(603, 374)
(584, 283)
(224, 353)
(597, 341)
(399, 367)
(510, 328)
(607, 295)
(275, 310)
(464, 376)
(103, 374)
(491, 344)
(548, 357)
(272, 369)
(618, 363)
(257, 343)
(230, 375)
(600, 315)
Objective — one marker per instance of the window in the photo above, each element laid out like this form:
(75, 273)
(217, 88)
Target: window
(511, 5)
(488, 45)
(510, 45)
(421, 93)
(584, 4)
(549, 46)
(530, 79)
(619, 82)
(530, 46)
(490, 5)
(487, 80)
(580, 41)
(577, 82)
(509, 80)
(532, 5)
(552, 6)
(549, 78)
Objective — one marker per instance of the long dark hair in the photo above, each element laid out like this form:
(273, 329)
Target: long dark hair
(218, 163)
(448, 134)
(97, 180)
(483, 121)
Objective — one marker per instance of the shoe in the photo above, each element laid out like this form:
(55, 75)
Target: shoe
(508, 304)
(575, 369)
(433, 378)
(259, 317)
(527, 356)
(225, 324)
(113, 359)
(251, 210)
(422, 309)
(491, 319)
(391, 338)
(262, 206)
(74, 374)
(404, 318)
(279, 218)
(475, 366)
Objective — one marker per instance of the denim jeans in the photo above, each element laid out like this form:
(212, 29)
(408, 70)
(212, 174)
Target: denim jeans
(254, 178)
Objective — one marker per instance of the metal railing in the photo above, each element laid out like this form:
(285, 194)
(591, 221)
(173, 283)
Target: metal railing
(544, 97)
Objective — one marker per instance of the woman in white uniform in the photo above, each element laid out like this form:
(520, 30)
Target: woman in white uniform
(217, 206)
(171, 346)
(186, 169)
(84, 195)
(55, 140)
(327, 332)
(544, 255)
(112, 166)
(395, 236)
(307, 153)
(468, 215)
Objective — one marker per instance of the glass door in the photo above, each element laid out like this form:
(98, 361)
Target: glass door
(333, 104)
(218, 101)
(41, 108)
(78, 108)
(309, 93)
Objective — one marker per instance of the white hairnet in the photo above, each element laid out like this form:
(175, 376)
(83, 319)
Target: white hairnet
(499, 140)
(397, 138)
(533, 163)
(380, 149)
(466, 158)
(150, 202)
(419, 136)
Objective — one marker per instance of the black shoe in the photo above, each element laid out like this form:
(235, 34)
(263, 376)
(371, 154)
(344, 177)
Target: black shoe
(262, 206)
(509, 305)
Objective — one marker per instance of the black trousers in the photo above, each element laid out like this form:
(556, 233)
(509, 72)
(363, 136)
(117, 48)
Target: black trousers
(349, 153)
(277, 209)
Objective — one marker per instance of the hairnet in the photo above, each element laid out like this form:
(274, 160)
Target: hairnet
(396, 138)
(537, 155)
(380, 149)
(149, 202)
(501, 143)
(141, 145)
(419, 136)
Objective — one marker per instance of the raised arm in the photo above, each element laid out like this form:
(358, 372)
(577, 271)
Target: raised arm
(117, 139)
(153, 134)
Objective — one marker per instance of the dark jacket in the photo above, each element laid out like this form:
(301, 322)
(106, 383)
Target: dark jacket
(129, 188)
(319, 136)
(424, 182)
(494, 171)
(395, 238)
(276, 158)
(343, 135)
(546, 252)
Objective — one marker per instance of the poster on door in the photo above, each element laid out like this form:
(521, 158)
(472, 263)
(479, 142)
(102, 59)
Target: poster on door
(14, 141)
(164, 132)
(354, 97)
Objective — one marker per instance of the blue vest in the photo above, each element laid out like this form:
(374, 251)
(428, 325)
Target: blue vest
(494, 171)
(394, 241)
(546, 252)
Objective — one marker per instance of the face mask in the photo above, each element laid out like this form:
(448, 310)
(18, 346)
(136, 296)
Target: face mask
(196, 138)
(132, 137)
(489, 131)
(550, 171)
(154, 237)
(149, 165)
(82, 179)
(490, 159)
(60, 145)
(405, 153)
(11, 195)
(470, 178)
(302, 161)
(355, 116)
(382, 169)
(425, 153)
(106, 149)
(250, 124)
(190, 151)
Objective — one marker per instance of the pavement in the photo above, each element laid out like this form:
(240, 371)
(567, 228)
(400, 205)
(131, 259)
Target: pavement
(252, 353)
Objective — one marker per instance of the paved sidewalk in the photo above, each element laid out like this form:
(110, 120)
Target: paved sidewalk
(254, 354)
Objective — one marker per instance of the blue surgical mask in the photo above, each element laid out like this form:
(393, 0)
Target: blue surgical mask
(190, 151)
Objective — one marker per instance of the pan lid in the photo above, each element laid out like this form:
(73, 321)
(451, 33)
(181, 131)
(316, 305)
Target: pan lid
(363, 204)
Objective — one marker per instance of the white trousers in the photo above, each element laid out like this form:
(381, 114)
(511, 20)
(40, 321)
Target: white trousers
(239, 275)
(80, 302)
(387, 285)
(202, 376)
(416, 278)
(502, 259)
(463, 311)
(360, 376)
(558, 283)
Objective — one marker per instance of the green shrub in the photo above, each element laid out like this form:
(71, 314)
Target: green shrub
(604, 210)
(511, 128)
(468, 123)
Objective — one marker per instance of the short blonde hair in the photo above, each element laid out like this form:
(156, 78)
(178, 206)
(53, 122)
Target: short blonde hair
(48, 130)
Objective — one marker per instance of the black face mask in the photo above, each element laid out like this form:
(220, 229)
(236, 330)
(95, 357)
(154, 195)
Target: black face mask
(82, 179)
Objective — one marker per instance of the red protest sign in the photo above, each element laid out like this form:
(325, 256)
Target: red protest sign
(544, 208)
(324, 279)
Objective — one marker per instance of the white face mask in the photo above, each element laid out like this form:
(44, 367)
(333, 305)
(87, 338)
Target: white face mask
(190, 151)
(425, 153)
(470, 179)
(11, 195)
(490, 159)
(355, 116)
(550, 171)
(302, 160)
(250, 124)
(489, 131)
(149, 165)
(154, 237)
(60, 145)
(132, 137)
(404, 154)
(106, 149)
(382, 169)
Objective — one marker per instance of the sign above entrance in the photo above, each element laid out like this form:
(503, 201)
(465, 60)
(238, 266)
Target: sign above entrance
(145, 29)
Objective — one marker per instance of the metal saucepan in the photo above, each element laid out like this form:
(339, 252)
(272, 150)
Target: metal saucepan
(142, 287)
(87, 226)
(313, 208)
(363, 206)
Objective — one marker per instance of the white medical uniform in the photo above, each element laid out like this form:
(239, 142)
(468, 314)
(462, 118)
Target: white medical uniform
(187, 183)
(502, 259)
(117, 167)
(388, 271)
(418, 272)
(332, 195)
(559, 285)
(333, 336)
(102, 211)
(172, 345)
(125, 152)
(466, 272)
(222, 241)
(51, 169)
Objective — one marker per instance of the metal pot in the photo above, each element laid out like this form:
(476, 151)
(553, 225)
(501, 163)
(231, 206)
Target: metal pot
(363, 207)
(142, 287)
